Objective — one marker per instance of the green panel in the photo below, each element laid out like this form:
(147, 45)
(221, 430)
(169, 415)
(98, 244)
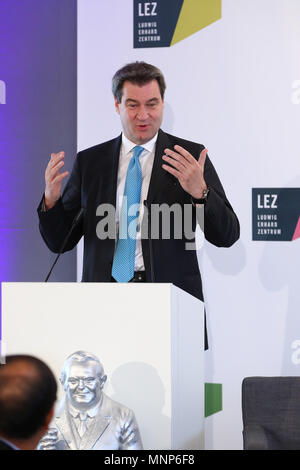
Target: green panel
(213, 398)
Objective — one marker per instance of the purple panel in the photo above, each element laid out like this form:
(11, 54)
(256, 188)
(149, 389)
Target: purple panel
(38, 92)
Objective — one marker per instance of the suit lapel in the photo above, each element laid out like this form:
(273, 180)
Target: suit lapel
(98, 427)
(95, 431)
(90, 437)
(115, 165)
(159, 176)
(64, 426)
(108, 168)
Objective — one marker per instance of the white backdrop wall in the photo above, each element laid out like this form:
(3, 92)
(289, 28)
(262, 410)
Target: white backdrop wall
(233, 86)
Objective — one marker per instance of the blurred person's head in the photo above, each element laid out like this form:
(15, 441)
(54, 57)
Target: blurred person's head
(27, 396)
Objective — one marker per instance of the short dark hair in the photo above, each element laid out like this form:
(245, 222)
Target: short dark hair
(27, 393)
(139, 73)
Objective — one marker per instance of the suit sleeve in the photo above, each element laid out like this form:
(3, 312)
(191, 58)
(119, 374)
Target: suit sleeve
(221, 225)
(56, 223)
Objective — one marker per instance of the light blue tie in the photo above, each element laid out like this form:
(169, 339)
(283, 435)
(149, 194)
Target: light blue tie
(123, 264)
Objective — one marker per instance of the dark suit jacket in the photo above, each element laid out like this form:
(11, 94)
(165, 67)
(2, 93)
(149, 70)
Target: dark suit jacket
(93, 181)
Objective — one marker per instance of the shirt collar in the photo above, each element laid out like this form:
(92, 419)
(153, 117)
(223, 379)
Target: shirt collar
(128, 145)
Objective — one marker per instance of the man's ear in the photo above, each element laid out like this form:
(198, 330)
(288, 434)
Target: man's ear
(117, 106)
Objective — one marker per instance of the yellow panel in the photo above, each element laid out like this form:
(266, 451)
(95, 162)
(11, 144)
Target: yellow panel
(196, 15)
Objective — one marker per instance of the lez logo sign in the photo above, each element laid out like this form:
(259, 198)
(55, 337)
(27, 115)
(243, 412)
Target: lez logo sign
(275, 214)
(166, 22)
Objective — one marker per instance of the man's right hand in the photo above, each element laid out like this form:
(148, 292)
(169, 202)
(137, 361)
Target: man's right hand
(54, 179)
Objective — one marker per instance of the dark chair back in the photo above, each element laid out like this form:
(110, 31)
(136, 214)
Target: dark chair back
(271, 413)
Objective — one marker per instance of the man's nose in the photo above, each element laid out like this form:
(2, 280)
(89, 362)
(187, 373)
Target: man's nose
(142, 114)
(81, 383)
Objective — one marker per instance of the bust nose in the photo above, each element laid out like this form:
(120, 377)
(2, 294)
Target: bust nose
(81, 384)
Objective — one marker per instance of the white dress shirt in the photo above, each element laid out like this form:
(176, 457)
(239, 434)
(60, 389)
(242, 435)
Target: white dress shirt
(146, 160)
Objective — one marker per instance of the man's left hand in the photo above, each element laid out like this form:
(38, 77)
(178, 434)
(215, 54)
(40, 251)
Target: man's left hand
(188, 171)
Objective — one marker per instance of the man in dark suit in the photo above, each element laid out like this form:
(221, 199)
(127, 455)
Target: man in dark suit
(175, 173)
(27, 397)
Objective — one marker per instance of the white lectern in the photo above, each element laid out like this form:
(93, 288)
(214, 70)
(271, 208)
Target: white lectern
(149, 338)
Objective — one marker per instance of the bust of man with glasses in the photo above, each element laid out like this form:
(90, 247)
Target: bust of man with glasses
(87, 419)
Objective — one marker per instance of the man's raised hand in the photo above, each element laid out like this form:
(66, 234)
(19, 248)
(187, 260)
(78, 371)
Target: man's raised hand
(54, 179)
(188, 171)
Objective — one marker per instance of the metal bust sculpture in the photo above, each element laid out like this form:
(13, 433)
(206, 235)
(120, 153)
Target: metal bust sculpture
(87, 419)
